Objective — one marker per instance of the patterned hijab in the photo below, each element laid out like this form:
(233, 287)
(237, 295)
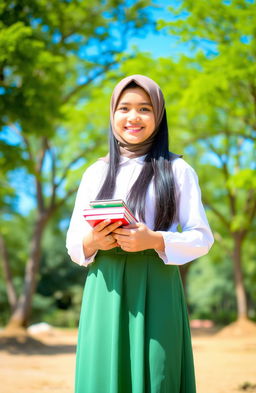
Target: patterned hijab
(131, 150)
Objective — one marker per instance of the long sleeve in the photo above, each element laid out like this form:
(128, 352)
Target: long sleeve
(90, 184)
(196, 237)
(78, 226)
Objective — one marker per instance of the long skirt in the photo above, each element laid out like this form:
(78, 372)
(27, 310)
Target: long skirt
(134, 334)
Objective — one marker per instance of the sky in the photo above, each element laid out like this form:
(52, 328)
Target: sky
(160, 44)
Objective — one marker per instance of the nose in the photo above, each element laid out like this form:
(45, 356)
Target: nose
(133, 115)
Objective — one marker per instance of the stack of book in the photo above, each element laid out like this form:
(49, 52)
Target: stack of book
(113, 209)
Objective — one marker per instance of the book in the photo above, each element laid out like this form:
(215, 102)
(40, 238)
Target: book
(94, 220)
(113, 209)
(104, 203)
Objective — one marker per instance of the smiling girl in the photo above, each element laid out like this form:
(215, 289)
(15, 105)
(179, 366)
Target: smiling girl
(134, 333)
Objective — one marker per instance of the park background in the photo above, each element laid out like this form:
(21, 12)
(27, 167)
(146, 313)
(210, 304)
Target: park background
(59, 61)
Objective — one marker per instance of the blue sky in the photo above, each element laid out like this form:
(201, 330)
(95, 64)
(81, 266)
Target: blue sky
(160, 44)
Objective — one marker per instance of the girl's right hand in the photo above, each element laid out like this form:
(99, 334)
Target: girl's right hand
(100, 238)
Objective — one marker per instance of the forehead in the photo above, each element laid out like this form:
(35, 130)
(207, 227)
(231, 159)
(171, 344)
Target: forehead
(134, 95)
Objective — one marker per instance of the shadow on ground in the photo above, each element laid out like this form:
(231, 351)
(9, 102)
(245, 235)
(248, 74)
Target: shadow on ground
(24, 344)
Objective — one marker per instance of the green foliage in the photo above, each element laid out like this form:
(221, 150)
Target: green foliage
(220, 22)
(211, 289)
(53, 60)
(216, 118)
(59, 292)
(243, 179)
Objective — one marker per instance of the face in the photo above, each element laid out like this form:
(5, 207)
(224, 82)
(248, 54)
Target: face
(134, 119)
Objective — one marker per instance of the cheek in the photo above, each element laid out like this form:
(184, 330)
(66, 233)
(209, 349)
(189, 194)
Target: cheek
(117, 120)
(151, 122)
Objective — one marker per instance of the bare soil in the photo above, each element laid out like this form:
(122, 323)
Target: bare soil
(225, 360)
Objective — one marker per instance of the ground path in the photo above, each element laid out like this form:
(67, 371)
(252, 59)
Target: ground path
(225, 361)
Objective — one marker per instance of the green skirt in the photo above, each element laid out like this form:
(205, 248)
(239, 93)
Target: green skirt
(134, 334)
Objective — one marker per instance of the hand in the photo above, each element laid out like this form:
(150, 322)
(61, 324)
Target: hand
(138, 237)
(100, 237)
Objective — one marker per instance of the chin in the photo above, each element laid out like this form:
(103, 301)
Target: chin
(134, 141)
(134, 138)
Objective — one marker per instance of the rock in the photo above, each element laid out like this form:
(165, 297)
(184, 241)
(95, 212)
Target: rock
(38, 328)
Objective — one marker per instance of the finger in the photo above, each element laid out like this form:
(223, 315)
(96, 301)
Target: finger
(99, 227)
(110, 246)
(121, 239)
(110, 239)
(118, 237)
(122, 231)
(123, 243)
(111, 227)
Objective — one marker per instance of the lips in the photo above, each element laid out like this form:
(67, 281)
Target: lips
(133, 129)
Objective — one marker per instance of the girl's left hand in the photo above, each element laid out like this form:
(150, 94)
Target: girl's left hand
(138, 237)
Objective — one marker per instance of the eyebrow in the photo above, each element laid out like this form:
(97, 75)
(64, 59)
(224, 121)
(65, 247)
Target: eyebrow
(140, 103)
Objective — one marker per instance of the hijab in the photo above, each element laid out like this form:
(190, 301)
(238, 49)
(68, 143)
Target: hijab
(127, 149)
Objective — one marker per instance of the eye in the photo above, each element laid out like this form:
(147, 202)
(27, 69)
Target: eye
(145, 109)
(123, 108)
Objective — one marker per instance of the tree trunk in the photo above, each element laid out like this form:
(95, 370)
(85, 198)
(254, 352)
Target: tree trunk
(20, 316)
(242, 308)
(11, 293)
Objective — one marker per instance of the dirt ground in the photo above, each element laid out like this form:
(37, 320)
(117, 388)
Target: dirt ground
(225, 360)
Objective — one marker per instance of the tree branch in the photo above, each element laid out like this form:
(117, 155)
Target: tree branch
(52, 209)
(67, 169)
(224, 168)
(41, 155)
(63, 200)
(30, 153)
(38, 176)
(88, 81)
(216, 212)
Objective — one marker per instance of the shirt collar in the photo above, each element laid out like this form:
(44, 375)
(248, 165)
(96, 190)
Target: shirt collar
(126, 160)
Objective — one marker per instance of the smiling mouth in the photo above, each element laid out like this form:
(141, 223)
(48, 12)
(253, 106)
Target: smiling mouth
(133, 130)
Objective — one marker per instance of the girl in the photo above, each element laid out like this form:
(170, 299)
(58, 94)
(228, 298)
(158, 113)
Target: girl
(134, 334)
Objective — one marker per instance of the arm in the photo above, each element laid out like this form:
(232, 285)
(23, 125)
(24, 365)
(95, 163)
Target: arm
(83, 241)
(78, 227)
(173, 247)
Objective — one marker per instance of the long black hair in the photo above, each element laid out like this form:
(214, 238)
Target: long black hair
(157, 165)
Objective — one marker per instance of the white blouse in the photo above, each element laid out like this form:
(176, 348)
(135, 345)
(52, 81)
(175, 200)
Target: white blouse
(192, 242)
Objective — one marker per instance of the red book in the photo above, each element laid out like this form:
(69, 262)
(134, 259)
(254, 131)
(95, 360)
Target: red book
(94, 220)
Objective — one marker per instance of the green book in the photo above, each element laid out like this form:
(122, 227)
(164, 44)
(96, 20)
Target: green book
(108, 203)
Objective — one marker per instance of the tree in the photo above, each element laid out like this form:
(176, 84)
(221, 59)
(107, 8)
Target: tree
(219, 107)
(53, 58)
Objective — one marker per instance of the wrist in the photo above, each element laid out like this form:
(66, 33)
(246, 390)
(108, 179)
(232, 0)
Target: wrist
(88, 246)
(158, 241)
